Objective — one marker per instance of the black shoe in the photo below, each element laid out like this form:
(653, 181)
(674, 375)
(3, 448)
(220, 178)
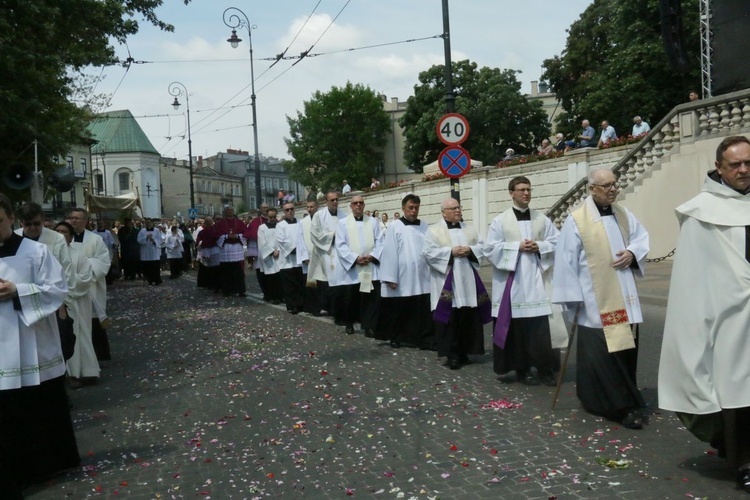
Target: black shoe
(530, 379)
(243, 294)
(369, 333)
(350, 329)
(743, 480)
(316, 314)
(453, 364)
(395, 344)
(294, 310)
(548, 380)
(464, 360)
(509, 379)
(276, 302)
(633, 420)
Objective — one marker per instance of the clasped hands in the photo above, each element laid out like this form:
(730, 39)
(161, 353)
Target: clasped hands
(363, 260)
(7, 290)
(529, 246)
(461, 251)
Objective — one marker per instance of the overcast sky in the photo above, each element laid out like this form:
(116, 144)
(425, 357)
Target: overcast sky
(496, 33)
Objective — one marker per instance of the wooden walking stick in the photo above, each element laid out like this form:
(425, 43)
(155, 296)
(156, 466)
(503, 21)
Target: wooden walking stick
(571, 338)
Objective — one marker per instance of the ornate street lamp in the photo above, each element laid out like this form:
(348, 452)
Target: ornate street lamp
(177, 89)
(235, 18)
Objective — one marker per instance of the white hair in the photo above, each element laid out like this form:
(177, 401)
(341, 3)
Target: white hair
(593, 173)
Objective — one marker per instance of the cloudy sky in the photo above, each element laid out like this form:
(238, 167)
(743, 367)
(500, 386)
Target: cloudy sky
(495, 33)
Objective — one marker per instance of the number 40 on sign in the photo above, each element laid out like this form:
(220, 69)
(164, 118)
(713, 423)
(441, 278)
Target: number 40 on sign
(452, 129)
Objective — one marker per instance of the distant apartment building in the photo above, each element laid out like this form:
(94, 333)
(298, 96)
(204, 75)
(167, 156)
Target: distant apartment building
(550, 104)
(393, 168)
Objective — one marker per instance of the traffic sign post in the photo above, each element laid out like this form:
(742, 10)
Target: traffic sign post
(452, 129)
(192, 213)
(454, 162)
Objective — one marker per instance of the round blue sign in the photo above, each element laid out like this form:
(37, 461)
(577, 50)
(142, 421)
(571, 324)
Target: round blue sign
(454, 162)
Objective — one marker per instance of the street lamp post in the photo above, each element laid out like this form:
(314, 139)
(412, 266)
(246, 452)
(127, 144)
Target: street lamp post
(177, 89)
(235, 18)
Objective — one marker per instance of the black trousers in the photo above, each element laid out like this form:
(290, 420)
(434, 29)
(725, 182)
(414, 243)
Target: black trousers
(151, 271)
(293, 284)
(359, 306)
(527, 345)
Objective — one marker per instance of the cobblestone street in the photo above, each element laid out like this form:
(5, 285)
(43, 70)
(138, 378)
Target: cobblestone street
(218, 398)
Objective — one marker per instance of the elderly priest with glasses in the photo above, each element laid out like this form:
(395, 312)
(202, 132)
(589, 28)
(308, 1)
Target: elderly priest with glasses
(602, 247)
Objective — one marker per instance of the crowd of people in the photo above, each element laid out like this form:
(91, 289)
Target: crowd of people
(408, 283)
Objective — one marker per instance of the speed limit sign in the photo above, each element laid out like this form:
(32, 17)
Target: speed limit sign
(452, 129)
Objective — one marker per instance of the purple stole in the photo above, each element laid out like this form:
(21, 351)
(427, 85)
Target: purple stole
(444, 307)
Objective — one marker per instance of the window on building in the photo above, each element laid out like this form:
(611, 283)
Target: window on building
(73, 197)
(123, 179)
(252, 202)
(210, 188)
(70, 162)
(275, 183)
(83, 166)
(98, 182)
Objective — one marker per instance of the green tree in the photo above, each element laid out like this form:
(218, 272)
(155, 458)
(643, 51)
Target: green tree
(45, 46)
(491, 100)
(340, 135)
(614, 65)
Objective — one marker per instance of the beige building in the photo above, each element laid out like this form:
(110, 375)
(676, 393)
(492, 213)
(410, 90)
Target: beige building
(393, 167)
(550, 103)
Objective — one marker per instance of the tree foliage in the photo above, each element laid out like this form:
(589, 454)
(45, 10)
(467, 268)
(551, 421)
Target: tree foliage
(45, 46)
(340, 135)
(614, 65)
(491, 100)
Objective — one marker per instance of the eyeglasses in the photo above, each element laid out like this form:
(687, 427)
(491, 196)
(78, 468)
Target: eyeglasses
(288, 210)
(524, 190)
(607, 187)
(358, 203)
(455, 209)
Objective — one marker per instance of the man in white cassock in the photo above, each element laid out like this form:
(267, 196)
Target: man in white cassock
(292, 279)
(82, 367)
(458, 299)
(704, 370)
(304, 249)
(601, 248)
(98, 254)
(359, 244)
(323, 260)
(405, 316)
(520, 246)
(38, 439)
(150, 239)
(268, 258)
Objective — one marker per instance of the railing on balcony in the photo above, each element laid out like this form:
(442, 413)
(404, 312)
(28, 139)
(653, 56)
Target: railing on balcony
(722, 115)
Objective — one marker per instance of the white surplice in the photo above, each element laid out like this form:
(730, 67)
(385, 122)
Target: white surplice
(30, 351)
(347, 271)
(266, 246)
(704, 364)
(571, 278)
(150, 247)
(58, 247)
(401, 261)
(304, 243)
(83, 363)
(287, 236)
(528, 294)
(323, 259)
(96, 251)
(437, 252)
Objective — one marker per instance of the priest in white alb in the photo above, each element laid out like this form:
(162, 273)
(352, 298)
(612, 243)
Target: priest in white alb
(292, 279)
(405, 281)
(704, 370)
(312, 303)
(520, 246)
(323, 260)
(37, 431)
(458, 298)
(99, 258)
(358, 244)
(601, 249)
(268, 258)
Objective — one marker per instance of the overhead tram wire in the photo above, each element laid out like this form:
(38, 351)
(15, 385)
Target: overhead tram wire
(279, 57)
(303, 54)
